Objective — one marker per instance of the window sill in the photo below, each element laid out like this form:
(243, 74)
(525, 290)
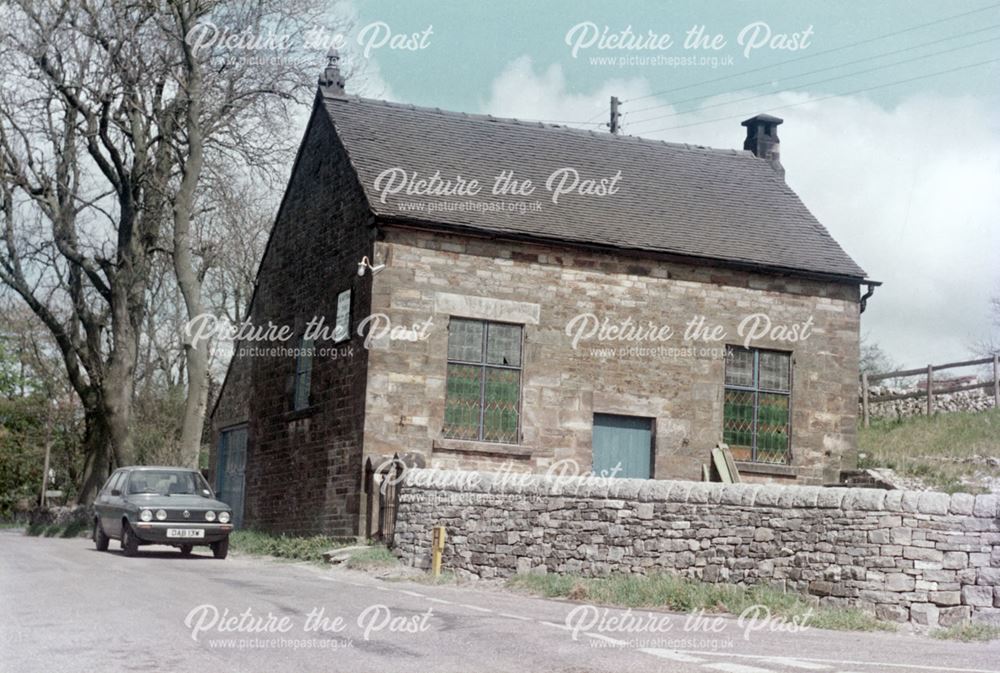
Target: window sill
(775, 469)
(298, 414)
(467, 446)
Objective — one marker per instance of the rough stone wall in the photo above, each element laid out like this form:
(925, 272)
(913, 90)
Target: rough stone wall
(436, 276)
(963, 400)
(304, 467)
(931, 558)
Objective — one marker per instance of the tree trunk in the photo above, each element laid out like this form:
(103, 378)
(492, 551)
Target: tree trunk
(97, 464)
(188, 279)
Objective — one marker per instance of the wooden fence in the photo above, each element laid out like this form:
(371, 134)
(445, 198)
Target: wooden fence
(928, 388)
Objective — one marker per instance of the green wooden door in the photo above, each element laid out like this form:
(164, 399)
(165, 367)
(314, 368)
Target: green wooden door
(625, 442)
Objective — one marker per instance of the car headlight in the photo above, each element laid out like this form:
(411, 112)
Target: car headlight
(223, 517)
(161, 515)
(209, 515)
(146, 515)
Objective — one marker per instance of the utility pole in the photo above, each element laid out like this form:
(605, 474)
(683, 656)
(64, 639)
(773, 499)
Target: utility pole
(616, 123)
(48, 452)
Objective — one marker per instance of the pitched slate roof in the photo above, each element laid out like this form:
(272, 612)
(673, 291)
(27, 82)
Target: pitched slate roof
(680, 199)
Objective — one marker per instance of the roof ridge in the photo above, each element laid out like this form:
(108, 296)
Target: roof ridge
(527, 123)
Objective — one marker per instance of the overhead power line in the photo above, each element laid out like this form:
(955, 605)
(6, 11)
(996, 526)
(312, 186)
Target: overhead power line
(818, 53)
(832, 67)
(836, 95)
(822, 81)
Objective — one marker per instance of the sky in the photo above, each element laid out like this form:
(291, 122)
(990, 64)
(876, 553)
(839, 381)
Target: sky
(891, 134)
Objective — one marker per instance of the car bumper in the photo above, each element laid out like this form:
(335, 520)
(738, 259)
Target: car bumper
(155, 532)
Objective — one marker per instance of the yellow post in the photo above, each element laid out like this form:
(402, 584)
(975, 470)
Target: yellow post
(437, 549)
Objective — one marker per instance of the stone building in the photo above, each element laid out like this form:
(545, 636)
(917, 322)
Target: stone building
(502, 293)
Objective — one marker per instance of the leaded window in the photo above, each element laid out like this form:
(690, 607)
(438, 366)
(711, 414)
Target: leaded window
(342, 329)
(484, 381)
(303, 375)
(758, 401)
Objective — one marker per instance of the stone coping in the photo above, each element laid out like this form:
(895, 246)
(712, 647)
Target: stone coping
(708, 493)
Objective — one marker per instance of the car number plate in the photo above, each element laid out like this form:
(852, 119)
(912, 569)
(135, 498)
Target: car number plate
(185, 532)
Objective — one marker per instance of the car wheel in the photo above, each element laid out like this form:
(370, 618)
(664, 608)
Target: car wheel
(186, 548)
(100, 539)
(220, 549)
(130, 543)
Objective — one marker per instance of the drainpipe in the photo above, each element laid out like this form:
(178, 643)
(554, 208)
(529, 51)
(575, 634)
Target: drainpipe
(871, 290)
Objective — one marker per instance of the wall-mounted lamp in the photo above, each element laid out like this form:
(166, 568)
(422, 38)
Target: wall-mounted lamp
(365, 264)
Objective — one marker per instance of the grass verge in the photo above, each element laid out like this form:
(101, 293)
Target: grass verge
(969, 632)
(938, 449)
(308, 548)
(374, 557)
(685, 595)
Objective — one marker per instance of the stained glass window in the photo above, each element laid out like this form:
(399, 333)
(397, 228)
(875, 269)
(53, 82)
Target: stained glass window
(484, 381)
(757, 405)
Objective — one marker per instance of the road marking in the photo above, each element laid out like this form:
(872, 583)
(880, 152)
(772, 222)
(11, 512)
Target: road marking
(439, 600)
(837, 662)
(412, 593)
(607, 639)
(474, 607)
(796, 663)
(737, 668)
(673, 655)
(554, 625)
(510, 616)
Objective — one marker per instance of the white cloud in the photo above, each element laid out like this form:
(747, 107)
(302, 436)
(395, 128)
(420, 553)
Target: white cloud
(519, 92)
(910, 192)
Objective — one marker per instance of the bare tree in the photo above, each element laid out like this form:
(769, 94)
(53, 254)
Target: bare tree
(80, 220)
(990, 344)
(227, 101)
(113, 139)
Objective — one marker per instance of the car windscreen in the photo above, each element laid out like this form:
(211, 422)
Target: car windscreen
(167, 482)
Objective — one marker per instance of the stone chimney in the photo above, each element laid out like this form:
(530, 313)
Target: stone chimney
(762, 140)
(331, 78)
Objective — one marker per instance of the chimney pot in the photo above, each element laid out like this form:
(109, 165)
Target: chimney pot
(762, 139)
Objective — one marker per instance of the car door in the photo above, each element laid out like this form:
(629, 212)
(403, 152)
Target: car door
(113, 506)
(101, 502)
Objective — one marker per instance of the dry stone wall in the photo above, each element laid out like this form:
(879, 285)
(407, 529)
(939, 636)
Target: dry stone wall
(930, 558)
(963, 400)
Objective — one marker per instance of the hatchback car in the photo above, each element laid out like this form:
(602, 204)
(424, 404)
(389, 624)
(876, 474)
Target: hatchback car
(161, 505)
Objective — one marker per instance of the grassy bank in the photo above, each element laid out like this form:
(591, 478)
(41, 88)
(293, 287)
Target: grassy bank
(375, 557)
(684, 595)
(969, 632)
(297, 548)
(309, 548)
(941, 450)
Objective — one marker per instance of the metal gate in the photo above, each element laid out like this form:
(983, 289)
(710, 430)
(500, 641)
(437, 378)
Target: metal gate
(231, 470)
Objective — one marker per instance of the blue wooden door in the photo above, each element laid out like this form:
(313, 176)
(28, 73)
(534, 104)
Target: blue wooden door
(231, 470)
(623, 442)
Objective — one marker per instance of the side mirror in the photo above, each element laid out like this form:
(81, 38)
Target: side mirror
(115, 491)
(207, 493)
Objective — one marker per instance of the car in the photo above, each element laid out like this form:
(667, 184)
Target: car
(173, 506)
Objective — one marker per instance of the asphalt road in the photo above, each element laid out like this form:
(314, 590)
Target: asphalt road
(69, 608)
